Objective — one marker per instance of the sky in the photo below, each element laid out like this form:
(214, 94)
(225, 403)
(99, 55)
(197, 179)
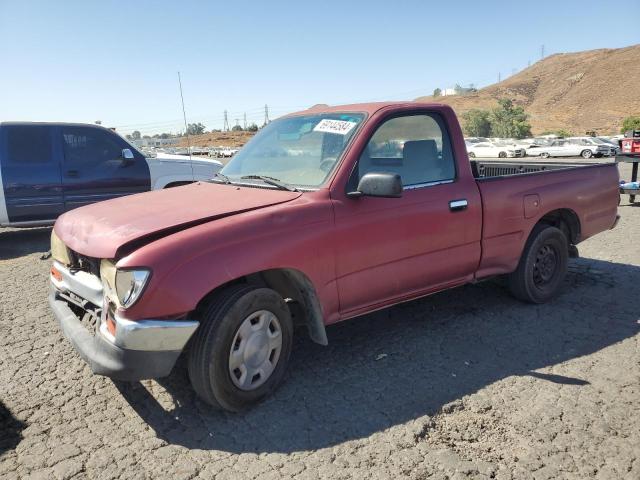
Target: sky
(117, 61)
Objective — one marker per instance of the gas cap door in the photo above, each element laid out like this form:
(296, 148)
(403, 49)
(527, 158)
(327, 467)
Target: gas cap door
(531, 205)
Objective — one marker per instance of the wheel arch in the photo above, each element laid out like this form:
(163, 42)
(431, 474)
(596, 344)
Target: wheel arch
(566, 220)
(297, 290)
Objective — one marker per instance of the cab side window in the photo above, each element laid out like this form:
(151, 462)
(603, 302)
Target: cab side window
(416, 147)
(29, 144)
(85, 146)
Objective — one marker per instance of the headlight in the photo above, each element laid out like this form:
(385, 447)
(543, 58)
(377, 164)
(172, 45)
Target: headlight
(59, 250)
(127, 285)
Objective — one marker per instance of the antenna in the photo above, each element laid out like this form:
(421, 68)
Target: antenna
(186, 128)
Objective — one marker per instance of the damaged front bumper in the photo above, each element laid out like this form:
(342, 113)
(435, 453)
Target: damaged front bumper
(134, 350)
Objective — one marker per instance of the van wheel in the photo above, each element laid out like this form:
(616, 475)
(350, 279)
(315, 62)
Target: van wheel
(241, 349)
(542, 267)
(586, 153)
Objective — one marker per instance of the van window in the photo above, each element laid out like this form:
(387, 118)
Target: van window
(416, 147)
(89, 146)
(28, 144)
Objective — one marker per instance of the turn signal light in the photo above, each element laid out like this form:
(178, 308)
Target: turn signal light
(56, 274)
(111, 326)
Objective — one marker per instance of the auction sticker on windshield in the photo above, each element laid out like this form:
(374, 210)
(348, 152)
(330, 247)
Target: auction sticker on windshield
(340, 127)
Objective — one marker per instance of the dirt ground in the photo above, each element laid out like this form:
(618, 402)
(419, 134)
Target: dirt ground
(468, 383)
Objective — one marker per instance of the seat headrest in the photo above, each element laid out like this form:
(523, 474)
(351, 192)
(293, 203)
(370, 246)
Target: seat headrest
(424, 149)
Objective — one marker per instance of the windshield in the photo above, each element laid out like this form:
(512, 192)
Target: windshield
(301, 150)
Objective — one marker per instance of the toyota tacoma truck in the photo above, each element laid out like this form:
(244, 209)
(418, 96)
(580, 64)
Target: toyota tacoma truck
(326, 214)
(47, 169)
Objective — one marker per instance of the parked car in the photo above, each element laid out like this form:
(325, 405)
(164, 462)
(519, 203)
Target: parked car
(47, 169)
(276, 240)
(573, 148)
(598, 147)
(488, 149)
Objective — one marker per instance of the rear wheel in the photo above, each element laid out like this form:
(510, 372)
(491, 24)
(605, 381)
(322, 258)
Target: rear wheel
(586, 153)
(242, 347)
(542, 267)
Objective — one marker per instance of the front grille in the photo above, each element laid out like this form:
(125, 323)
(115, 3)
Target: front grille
(84, 263)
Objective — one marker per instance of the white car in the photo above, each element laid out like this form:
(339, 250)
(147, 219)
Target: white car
(488, 149)
(574, 147)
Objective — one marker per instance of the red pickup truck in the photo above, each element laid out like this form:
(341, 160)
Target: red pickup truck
(326, 214)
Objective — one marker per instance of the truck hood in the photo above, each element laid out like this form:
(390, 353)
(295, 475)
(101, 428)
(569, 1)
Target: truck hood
(113, 228)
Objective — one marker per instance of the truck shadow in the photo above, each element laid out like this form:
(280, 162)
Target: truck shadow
(16, 243)
(405, 362)
(10, 430)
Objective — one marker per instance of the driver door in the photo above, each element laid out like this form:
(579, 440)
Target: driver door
(93, 167)
(388, 249)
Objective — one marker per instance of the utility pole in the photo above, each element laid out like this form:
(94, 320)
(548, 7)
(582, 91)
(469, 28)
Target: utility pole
(245, 120)
(226, 122)
(266, 114)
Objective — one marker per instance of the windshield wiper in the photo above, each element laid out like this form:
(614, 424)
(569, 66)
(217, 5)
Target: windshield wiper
(271, 181)
(224, 178)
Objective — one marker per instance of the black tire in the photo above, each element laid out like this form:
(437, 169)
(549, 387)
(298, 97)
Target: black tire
(586, 153)
(544, 155)
(502, 155)
(542, 267)
(472, 155)
(208, 361)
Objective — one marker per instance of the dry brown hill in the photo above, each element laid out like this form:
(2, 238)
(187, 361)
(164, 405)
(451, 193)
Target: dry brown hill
(217, 139)
(591, 90)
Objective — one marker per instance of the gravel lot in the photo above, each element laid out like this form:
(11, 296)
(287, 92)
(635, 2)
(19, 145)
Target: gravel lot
(468, 383)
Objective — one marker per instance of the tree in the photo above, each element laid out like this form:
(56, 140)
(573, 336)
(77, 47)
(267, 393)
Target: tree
(236, 128)
(560, 133)
(136, 135)
(195, 129)
(252, 128)
(437, 92)
(630, 123)
(509, 120)
(477, 123)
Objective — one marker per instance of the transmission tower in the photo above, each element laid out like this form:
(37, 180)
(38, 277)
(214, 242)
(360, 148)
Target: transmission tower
(237, 122)
(266, 114)
(541, 51)
(499, 77)
(245, 120)
(226, 123)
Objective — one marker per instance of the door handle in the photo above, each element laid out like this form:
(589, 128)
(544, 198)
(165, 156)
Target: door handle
(72, 173)
(457, 205)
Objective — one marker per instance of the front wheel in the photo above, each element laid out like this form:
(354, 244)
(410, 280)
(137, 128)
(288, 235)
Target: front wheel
(544, 155)
(502, 155)
(472, 155)
(542, 267)
(242, 347)
(586, 153)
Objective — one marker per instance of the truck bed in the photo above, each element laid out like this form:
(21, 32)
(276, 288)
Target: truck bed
(490, 169)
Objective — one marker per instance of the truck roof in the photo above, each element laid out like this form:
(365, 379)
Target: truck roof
(54, 124)
(369, 108)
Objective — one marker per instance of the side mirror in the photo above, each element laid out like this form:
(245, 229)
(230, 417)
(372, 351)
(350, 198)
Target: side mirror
(379, 184)
(127, 154)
